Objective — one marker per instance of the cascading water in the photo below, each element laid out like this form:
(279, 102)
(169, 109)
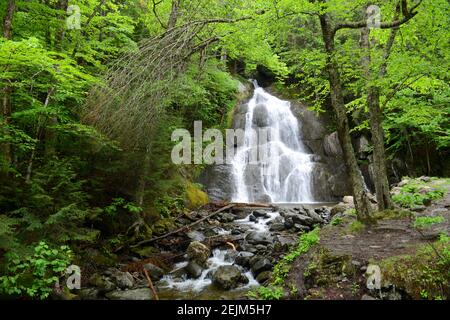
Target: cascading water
(282, 170)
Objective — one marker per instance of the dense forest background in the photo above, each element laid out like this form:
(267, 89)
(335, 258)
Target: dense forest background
(87, 112)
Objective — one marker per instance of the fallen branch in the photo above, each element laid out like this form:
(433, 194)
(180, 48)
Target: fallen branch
(183, 228)
(150, 284)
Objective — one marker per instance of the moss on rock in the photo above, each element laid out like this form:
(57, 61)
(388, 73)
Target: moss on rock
(195, 197)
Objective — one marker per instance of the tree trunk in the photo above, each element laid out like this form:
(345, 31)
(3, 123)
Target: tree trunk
(375, 117)
(173, 14)
(7, 90)
(362, 202)
(7, 23)
(142, 182)
(60, 34)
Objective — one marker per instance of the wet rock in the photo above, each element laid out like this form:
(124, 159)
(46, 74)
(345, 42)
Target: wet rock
(261, 116)
(193, 269)
(226, 217)
(195, 236)
(316, 218)
(260, 247)
(264, 276)
(302, 228)
(303, 220)
(276, 220)
(339, 208)
(155, 272)
(240, 213)
(228, 277)
(218, 182)
(260, 213)
(277, 227)
(255, 237)
(252, 218)
(89, 293)
(260, 264)
(288, 223)
(136, 294)
(198, 252)
(243, 258)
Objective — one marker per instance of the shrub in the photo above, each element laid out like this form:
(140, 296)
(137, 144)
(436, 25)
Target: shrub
(35, 275)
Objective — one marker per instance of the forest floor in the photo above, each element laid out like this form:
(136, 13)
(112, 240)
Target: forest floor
(336, 267)
(412, 259)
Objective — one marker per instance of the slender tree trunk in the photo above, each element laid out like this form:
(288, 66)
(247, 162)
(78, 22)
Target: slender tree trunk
(60, 34)
(7, 23)
(142, 182)
(362, 202)
(7, 90)
(173, 14)
(375, 116)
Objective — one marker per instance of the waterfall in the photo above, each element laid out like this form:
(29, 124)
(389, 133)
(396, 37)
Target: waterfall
(272, 164)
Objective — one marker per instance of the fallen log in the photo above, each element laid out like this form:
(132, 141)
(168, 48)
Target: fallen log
(183, 228)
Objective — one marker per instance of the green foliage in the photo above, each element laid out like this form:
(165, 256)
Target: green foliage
(121, 203)
(267, 293)
(336, 221)
(168, 206)
(412, 195)
(424, 222)
(306, 241)
(35, 275)
(356, 227)
(423, 275)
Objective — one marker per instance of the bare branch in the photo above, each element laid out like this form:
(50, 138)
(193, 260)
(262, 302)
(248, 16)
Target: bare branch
(384, 25)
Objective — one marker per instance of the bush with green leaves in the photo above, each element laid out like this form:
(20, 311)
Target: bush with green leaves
(35, 275)
(411, 196)
(424, 222)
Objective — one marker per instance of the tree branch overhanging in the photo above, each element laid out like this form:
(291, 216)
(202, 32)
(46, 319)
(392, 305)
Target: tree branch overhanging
(411, 13)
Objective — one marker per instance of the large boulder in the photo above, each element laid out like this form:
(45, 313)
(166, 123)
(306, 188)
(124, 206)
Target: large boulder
(229, 277)
(123, 280)
(194, 270)
(260, 264)
(332, 146)
(198, 253)
(255, 237)
(102, 283)
(243, 258)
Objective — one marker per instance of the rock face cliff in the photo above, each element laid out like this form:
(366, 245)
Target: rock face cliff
(329, 178)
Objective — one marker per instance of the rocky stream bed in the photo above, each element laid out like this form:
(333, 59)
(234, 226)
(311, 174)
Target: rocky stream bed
(223, 257)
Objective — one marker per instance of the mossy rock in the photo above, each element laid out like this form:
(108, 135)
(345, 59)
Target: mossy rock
(324, 268)
(162, 226)
(145, 252)
(195, 198)
(422, 275)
